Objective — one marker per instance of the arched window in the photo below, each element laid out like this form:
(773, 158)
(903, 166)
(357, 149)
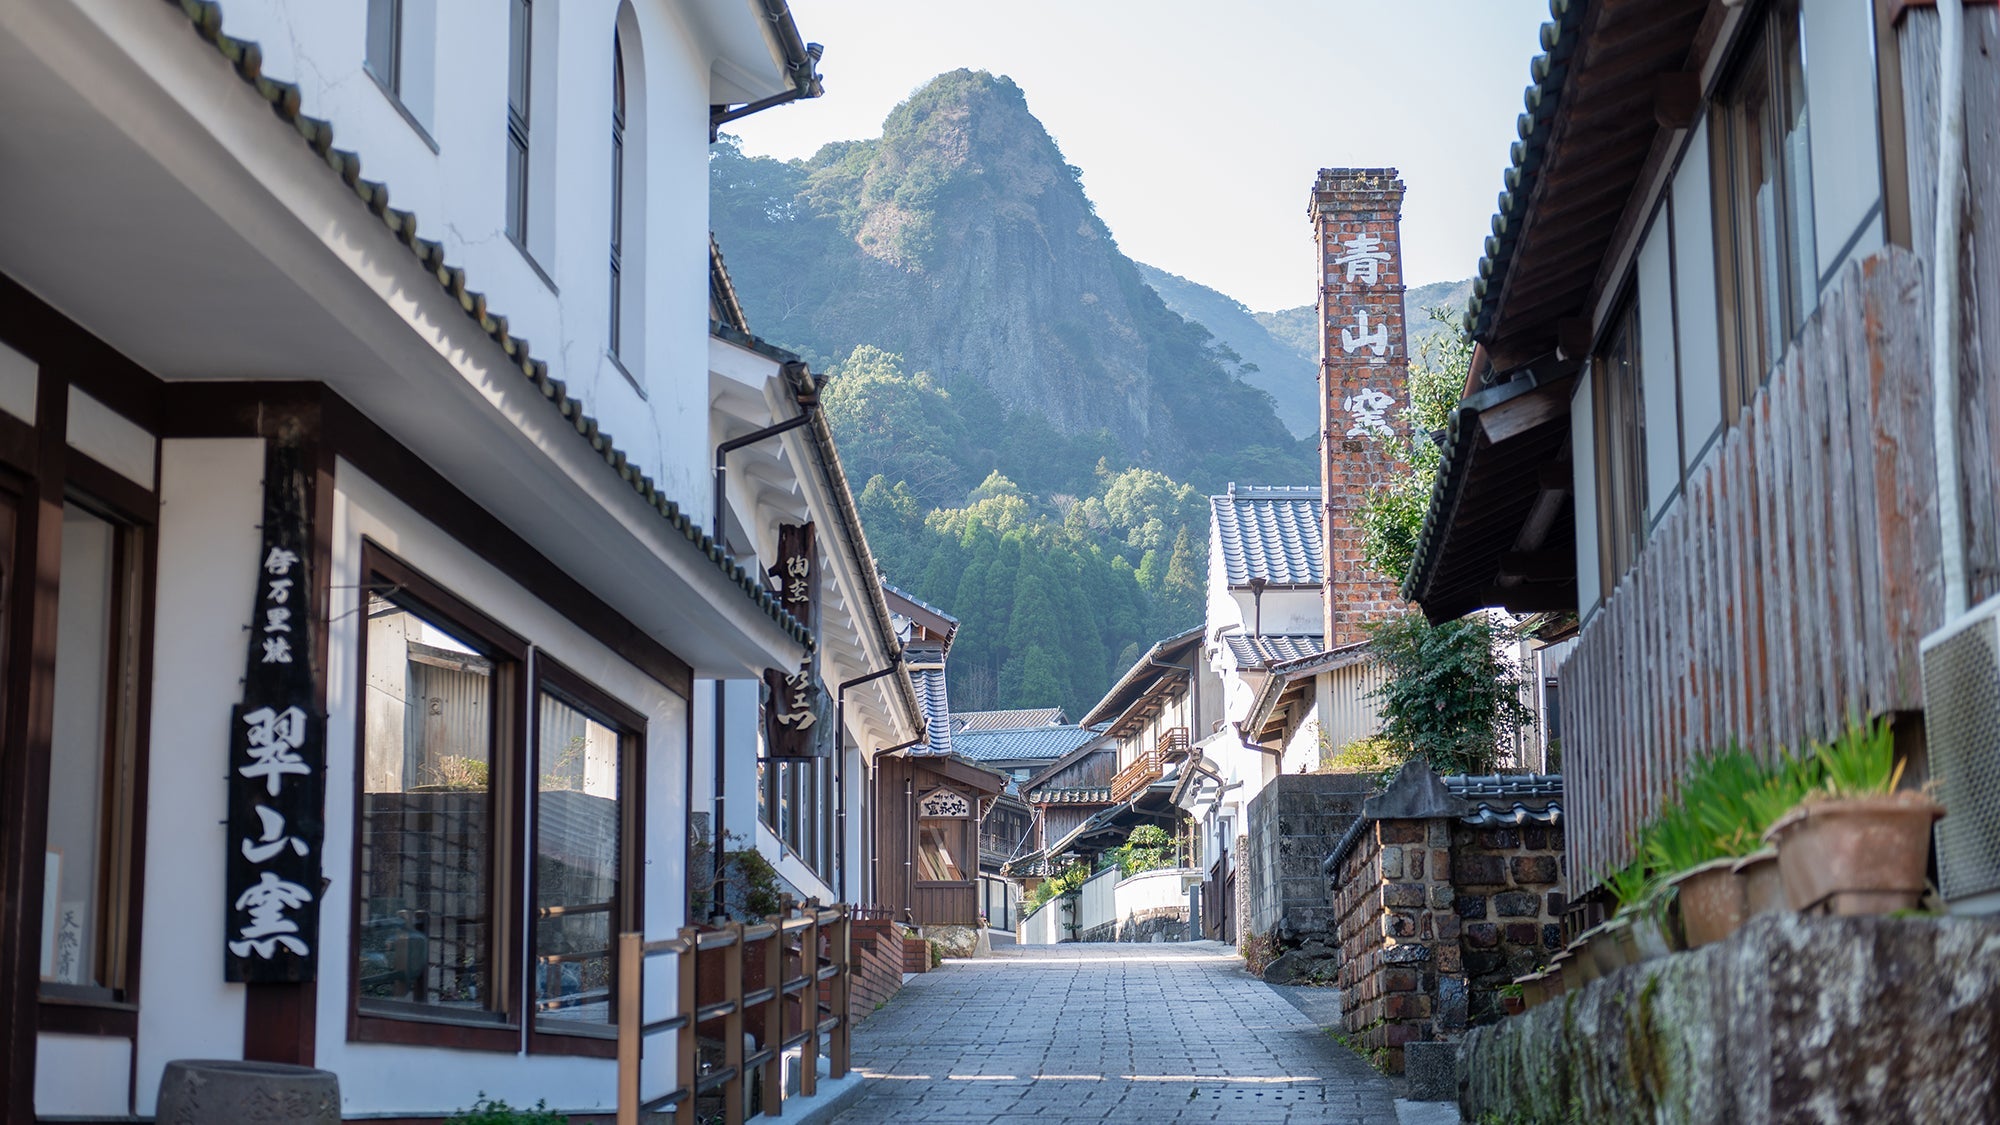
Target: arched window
(617, 192)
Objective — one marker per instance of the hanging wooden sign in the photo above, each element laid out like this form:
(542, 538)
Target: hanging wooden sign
(943, 802)
(797, 572)
(277, 752)
(794, 719)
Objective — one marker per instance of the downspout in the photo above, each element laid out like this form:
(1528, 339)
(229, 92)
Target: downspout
(840, 758)
(722, 452)
(910, 852)
(1944, 302)
(801, 64)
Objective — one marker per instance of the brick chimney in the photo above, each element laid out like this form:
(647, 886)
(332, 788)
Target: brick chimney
(1364, 363)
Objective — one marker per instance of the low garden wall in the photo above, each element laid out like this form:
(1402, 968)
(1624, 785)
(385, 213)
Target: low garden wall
(1149, 906)
(1506, 882)
(1793, 1019)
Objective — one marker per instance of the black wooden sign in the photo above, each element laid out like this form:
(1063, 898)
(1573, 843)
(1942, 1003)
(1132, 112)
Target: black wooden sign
(277, 752)
(797, 572)
(794, 714)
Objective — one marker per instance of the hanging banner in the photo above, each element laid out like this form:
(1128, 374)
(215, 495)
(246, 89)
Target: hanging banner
(795, 715)
(797, 572)
(277, 753)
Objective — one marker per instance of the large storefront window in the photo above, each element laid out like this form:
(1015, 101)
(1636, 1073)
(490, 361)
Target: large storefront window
(430, 831)
(585, 746)
(86, 901)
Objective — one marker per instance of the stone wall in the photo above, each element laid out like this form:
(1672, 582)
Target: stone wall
(1163, 923)
(1402, 977)
(1508, 905)
(1794, 1019)
(1293, 825)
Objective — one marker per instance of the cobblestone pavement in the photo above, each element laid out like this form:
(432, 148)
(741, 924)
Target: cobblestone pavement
(1105, 1033)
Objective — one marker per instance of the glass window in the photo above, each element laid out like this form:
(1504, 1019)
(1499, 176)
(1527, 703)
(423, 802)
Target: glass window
(1764, 205)
(385, 43)
(617, 189)
(520, 29)
(579, 836)
(86, 916)
(430, 836)
(940, 848)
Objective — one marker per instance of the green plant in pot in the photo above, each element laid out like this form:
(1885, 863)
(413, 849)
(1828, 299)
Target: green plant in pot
(1698, 837)
(1513, 997)
(1856, 844)
(1783, 786)
(1642, 908)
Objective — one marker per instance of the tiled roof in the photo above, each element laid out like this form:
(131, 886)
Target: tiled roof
(936, 707)
(1007, 720)
(1256, 652)
(1509, 798)
(1020, 745)
(1559, 39)
(317, 134)
(919, 602)
(1072, 795)
(1271, 533)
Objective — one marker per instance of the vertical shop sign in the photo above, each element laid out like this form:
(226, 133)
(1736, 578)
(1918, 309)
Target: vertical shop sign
(277, 752)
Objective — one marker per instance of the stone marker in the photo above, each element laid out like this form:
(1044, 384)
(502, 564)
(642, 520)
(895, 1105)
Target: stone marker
(233, 1092)
(1432, 1071)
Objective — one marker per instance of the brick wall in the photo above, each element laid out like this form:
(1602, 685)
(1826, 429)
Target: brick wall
(1356, 215)
(1509, 903)
(1402, 976)
(878, 966)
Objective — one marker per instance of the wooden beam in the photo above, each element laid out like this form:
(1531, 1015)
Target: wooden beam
(1517, 416)
(1573, 337)
(1677, 100)
(1553, 565)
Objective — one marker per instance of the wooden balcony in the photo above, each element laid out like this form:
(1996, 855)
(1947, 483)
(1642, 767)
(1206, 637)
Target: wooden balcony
(1789, 588)
(1149, 765)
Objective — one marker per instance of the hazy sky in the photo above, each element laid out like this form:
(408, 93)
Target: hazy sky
(1199, 124)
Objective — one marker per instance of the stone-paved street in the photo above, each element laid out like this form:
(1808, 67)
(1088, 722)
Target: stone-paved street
(1117, 1033)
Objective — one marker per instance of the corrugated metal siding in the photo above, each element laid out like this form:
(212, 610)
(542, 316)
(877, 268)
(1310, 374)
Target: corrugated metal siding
(1352, 711)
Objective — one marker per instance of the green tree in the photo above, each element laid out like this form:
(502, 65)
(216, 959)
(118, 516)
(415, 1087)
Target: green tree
(1392, 518)
(902, 427)
(1449, 696)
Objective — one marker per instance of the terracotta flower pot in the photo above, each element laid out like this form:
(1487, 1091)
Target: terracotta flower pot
(1581, 968)
(1711, 898)
(1856, 855)
(1607, 946)
(1763, 888)
(1555, 981)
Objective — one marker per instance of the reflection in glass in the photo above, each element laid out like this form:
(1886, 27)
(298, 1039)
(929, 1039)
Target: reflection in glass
(577, 830)
(427, 819)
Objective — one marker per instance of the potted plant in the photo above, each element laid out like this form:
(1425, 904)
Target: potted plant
(1780, 790)
(1513, 997)
(1556, 979)
(1642, 905)
(1856, 844)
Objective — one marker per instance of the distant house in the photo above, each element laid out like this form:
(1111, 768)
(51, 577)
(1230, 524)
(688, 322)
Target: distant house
(1019, 719)
(1700, 413)
(1288, 700)
(1007, 831)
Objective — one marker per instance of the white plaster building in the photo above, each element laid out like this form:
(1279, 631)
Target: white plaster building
(273, 436)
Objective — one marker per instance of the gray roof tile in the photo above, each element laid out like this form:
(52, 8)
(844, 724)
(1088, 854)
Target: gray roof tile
(1031, 744)
(1271, 533)
(1019, 719)
(936, 705)
(1262, 651)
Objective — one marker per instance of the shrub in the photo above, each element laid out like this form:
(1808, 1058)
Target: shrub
(1450, 696)
(493, 1111)
(1374, 755)
(1148, 848)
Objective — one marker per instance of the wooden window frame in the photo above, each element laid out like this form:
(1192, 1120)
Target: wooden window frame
(628, 904)
(383, 572)
(111, 1010)
(1623, 516)
(1742, 315)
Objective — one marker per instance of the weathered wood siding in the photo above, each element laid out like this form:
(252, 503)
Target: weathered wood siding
(1788, 591)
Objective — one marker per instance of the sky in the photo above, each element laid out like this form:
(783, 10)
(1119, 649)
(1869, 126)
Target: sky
(1200, 124)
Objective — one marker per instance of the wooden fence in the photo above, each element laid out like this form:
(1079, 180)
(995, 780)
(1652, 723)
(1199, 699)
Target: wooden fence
(735, 980)
(1788, 589)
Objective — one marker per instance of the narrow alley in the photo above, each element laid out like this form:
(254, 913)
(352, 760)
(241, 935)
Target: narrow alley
(1103, 1032)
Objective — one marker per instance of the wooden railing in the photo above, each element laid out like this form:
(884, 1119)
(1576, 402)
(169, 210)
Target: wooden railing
(776, 993)
(1789, 588)
(1149, 765)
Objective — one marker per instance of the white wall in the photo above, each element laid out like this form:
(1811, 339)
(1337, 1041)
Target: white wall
(1694, 295)
(458, 192)
(1656, 367)
(1583, 458)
